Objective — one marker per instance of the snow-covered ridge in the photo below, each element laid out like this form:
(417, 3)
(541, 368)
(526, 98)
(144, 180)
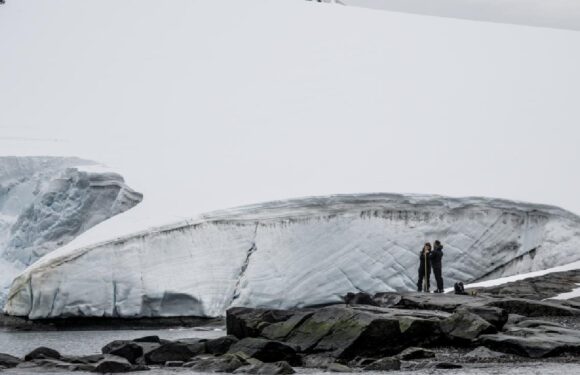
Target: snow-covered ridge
(293, 253)
(45, 202)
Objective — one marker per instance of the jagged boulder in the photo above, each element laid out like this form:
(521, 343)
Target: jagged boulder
(221, 345)
(8, 361)
(466, 326)
(42, 353)
(281, 330)
(129, 350)
(265, 350)
(244, 322)
(113, 364)
(148, 339)
(493, 315)
(537, 342)
(342, 331)
(531, 308)
(174, 351)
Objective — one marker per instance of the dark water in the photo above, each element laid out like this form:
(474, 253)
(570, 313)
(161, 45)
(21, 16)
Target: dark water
(90, 342)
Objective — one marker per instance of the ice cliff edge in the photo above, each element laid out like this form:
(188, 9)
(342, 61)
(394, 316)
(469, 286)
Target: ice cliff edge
(45, 202)
(293, 253)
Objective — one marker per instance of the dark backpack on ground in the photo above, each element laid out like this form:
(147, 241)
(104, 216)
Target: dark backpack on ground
(459, 289)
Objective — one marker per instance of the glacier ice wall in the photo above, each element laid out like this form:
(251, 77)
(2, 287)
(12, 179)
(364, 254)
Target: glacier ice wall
(293, 253)
(45, 202)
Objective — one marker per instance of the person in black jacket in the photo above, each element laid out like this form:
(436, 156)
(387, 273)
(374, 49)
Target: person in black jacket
(436, 264)
(424, 269)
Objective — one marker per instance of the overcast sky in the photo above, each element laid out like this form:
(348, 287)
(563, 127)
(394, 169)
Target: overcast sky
(221, 103)
(546, 13)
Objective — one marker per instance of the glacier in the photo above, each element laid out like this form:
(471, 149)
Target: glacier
(293, 253)
(45, 202)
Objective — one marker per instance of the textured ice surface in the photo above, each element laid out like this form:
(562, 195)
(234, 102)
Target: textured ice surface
(293, 253)
(46, 202)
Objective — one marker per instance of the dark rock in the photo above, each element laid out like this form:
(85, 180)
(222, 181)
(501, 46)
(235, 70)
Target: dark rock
(359, 299)
(466, 326)
(8, 361)
(538, 342)
(266, 350)
(344, 332)
(246, 322)
(532, 308)
(384, 364)
(220, 345)
(410, 354)
(493, 315)
(113, 364)
(91, 358)
(126, 349)
(447, 366)
(150, 339)
(173, 351)
(174, 364)
(431, 301)
(42, 353)
(275, 368)
(280, 331)
(347, 332)
(226, 363)
(538, 288)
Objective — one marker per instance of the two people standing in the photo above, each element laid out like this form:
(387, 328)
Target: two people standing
(430, 259)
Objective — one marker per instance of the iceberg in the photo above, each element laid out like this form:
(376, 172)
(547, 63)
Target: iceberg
(45, 202)
(293, 253)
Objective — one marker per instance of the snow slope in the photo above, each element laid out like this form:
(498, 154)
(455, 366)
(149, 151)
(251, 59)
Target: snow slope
(293, 253)
(563, 14)
(45, 202)
(216, 103)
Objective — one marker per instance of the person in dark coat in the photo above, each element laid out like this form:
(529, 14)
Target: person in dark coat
(424, 282)
(436, 264)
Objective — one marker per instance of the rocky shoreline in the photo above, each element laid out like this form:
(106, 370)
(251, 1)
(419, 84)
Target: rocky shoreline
(388, 331)
(108, 324)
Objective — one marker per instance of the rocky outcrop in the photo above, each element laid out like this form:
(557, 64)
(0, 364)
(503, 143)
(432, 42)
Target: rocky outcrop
(543, 340)
(8, 361)
(345, 333)
(539, 287)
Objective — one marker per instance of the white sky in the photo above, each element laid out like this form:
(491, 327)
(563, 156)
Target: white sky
(563, 14)
(210, 104)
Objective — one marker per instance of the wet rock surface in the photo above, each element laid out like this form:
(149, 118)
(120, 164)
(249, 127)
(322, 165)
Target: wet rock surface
(537, 288)
(396, 332)
(389, 328)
